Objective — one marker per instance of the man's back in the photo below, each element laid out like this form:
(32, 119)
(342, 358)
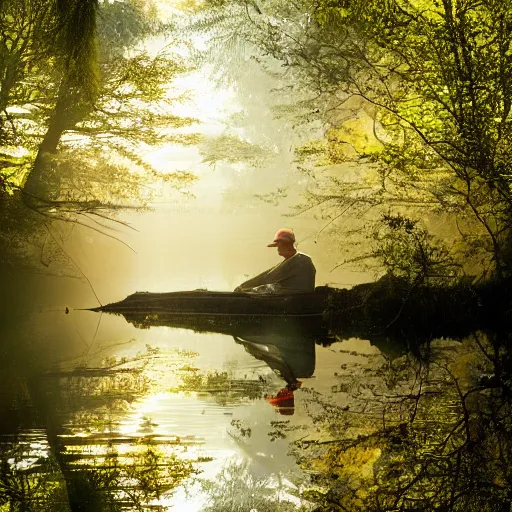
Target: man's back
(296, 274)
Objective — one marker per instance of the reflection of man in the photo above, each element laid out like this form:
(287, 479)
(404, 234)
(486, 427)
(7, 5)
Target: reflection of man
(289, 358)
(296, 274)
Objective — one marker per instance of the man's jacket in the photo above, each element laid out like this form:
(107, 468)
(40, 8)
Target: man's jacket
(294, 275)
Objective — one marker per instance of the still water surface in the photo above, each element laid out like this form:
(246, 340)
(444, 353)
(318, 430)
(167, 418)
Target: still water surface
(145, 417)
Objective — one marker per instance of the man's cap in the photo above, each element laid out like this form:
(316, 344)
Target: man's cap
(284, 234)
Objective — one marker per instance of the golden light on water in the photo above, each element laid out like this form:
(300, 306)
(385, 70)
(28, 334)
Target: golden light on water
(210, 234)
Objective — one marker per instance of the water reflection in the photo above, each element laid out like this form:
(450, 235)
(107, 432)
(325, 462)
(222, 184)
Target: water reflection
(131, 427)
(66, 451)
(416, 435)
(285, 343)
(289, 357)
(109, 437)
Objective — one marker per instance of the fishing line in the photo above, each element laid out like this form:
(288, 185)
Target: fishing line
(78, 332)
(95, 333)
(74, 262)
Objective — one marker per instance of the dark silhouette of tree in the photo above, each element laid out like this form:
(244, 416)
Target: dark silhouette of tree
(418, 436)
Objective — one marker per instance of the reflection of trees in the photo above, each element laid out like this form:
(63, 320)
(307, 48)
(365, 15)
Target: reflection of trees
(285, 343)
(127, 481)
(237, 490)
(222, 386)
(34, 485)
(288, 356)
(89, 464)
(104, 469)
(426, 437)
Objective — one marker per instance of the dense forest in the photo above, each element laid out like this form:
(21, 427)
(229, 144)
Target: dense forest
(413, 97)
(404, 114)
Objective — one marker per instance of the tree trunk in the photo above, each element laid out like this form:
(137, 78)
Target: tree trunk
(70, 109)
(59, 123)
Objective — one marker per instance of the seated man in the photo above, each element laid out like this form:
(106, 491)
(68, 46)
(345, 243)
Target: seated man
(296, 274)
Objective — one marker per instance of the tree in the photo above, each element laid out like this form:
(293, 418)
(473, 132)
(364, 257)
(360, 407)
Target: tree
(27, 30)
(79, 111)
(415, 97)
(78, 85)
(108, 98)
(437, 78)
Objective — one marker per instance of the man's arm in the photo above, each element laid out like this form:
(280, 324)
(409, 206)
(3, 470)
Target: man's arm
(255, 281)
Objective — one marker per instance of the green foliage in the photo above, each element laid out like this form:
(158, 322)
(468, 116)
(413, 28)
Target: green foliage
(405, 249)
(81, 102)
(231, 149)
(28, 30)
(52, 73)
(36, 486)
(415, 92)
(121, 25)
(77, 42)
(436, 77)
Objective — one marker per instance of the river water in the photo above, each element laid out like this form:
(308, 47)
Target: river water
(100, 414)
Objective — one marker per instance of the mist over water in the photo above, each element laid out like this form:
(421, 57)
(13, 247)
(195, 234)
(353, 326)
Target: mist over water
(133, 410)
(212, 234)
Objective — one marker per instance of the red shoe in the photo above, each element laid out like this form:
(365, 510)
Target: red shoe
(282, 394)
(284, 401)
